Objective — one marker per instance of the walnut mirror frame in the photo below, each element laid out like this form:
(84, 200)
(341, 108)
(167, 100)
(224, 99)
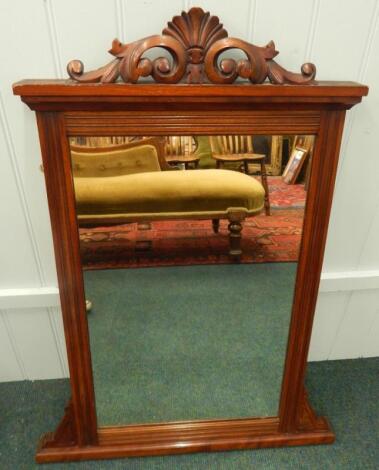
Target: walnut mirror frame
(209, 104)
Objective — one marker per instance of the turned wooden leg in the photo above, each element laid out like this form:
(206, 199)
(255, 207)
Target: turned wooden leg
(265, 186)
(246, 167)
(235, 229)
(216, 225)
(235, 218)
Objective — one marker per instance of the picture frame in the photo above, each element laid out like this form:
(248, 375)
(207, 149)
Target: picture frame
(209, 105)
(294, 165)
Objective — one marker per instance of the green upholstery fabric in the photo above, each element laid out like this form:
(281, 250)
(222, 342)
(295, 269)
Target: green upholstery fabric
(115, 163)
(169, 192)
(204, 152)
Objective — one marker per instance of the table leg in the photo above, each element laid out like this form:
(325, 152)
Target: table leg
(265, 186)
(216, 225)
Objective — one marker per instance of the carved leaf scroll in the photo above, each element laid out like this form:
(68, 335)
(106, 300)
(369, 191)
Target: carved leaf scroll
(194, 42)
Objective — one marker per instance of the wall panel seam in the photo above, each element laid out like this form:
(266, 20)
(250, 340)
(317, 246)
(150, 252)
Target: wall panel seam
(120, 19)
(361, 74)
(53, 35)
(52, 322)
(313, 25)
(338, 329)
(61, 339)
(369, 43)
(13, 343)
(366, 346)
(365, 62)
(368, 233)
(252, 18)
(20, 190)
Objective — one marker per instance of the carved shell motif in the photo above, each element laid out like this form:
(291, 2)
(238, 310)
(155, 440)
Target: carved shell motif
(194, 41)
(195, 29)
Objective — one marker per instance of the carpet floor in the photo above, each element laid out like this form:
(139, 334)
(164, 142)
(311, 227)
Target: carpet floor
(166, 337)
(192, 242)
(345, 391)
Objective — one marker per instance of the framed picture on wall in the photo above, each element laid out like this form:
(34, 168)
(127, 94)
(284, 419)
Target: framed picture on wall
(294, 165)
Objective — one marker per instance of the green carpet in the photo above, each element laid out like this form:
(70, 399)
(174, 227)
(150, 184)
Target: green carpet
(206, 344)
(346, 391)
(193, 342)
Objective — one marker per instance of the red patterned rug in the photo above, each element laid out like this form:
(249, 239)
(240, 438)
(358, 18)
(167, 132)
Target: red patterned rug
(284, 195)
(186, 242)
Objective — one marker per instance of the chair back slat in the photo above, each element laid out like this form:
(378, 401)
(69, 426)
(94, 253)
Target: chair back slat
(179, 145)
(233, 144)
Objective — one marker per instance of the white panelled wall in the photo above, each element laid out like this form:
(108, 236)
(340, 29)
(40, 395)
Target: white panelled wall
(38, 39)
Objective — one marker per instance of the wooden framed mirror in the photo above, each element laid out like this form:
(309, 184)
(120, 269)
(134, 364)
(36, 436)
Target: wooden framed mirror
(202, 271)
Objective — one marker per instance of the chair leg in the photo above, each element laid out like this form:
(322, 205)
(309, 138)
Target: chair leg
(265, 186)
(235, 250)
(235, 229)
(216, 225)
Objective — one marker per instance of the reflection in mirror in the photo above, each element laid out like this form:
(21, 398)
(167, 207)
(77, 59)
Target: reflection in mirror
(189, 247)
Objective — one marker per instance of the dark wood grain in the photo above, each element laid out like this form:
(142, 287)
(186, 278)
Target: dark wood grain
(196, 436)
(317, 211)
(179, 121)
(65, 109)
(59, 186)
(196, 42)
(324, 91)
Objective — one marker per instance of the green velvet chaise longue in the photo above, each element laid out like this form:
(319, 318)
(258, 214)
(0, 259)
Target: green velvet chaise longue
(131, 184)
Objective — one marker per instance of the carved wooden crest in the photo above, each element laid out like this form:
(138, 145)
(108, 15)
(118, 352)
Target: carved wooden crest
(195, 41)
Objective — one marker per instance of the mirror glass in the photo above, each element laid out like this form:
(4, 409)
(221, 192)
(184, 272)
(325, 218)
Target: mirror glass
(189, 250)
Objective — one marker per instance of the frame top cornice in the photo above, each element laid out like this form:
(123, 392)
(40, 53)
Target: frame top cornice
(66, 95)
(197, 68)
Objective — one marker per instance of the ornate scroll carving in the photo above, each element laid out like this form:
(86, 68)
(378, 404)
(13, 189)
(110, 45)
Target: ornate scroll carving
(194, 41)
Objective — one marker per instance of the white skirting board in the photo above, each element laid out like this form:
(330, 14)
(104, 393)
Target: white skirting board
(32, 342)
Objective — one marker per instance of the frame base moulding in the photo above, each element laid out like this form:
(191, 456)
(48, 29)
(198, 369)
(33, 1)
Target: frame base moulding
(183, 437)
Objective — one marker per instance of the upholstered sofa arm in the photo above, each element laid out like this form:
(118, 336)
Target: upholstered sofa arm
(120, 160)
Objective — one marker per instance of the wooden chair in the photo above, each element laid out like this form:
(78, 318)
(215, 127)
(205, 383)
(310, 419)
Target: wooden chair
(239, 149)
(181, 150)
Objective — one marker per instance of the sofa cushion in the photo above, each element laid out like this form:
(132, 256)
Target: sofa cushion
(169, 192)
(139, 159)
